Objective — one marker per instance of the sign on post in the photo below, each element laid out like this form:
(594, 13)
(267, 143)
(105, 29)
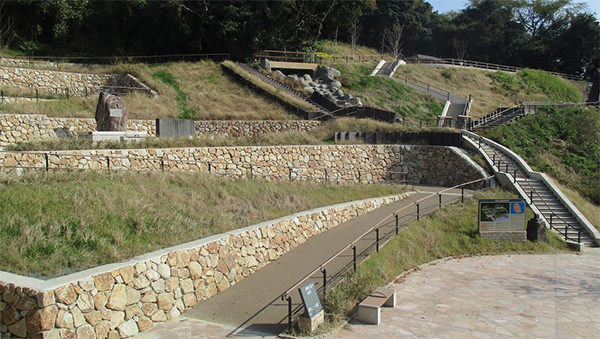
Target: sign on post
(310, 299)
(115, 112)
(502, 219)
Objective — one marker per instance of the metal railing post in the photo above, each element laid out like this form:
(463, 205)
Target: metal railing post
(324, 271)
(377, 238)
(162, 164)
(289, 300)
(397, 226)
(531, 198)
(579, 236)
(290, 173)
(462, 193)
(551, 215)
(506, 171)
(418, 214)
(479, 142)
(47, 162)
(354, 256)
(209, 167)
(515, 176)
(566, 229)
(439, 200)
(108, 163)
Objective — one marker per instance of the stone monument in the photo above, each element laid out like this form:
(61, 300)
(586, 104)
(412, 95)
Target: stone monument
(111, 114)
(111, 121)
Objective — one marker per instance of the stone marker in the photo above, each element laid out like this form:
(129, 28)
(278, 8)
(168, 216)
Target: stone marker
(536, 231)
(111, 114)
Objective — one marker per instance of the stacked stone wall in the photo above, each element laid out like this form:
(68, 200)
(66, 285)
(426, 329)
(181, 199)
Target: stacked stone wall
(16, 128)
(431, 165)
(50, 81)
(252, 128)
(122, 300)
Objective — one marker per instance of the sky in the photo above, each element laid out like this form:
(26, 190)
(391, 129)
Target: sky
(444, 6)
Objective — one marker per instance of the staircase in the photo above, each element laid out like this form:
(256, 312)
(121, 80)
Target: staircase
(538, 191)
(500, 116)
(324, 113)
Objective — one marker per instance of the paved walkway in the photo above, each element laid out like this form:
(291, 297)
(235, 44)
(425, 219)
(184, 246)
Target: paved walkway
(507, 296)
(254, 306)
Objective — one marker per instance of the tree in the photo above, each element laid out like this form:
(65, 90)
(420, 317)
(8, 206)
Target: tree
(393, 39)
(354, 35)
(536, 15)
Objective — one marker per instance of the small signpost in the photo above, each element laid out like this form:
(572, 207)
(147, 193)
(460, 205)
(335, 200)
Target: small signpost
(313, 311)
(115, 112)
(502, 219)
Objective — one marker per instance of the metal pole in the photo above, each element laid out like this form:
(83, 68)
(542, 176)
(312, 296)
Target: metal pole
(566, 228)
(515, 176)
(396, 215)
(290, 173)
(462, 193)
(418, 214)
(162, 164)
(47, 162)
(209, 167)
(551, 215)
(108, 163)
(324, 284)
(326, 176)
(439, 200)
(289, 300)
(531, 197)
(506, 168)
(354, 256)
(579, 236)
(494, 158)
(479, 141)
(377, 239)
(37, 95)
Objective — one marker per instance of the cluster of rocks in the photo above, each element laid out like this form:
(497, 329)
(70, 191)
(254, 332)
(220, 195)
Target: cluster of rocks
(324, 83)
(423, 165)
(129, 299)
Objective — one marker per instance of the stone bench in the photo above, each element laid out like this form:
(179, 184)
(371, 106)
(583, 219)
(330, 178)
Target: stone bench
(369, 310)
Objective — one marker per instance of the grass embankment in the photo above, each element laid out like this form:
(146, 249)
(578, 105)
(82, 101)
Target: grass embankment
(63, 222)
(317, 136)
(341, 49)
(491, 89)
(449, 232)
(206, 89)
(276, 92)
(388, 94)
(563, 143)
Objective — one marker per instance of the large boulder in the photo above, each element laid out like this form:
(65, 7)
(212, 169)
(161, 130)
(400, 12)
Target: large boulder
(265, 64)
(111, 114)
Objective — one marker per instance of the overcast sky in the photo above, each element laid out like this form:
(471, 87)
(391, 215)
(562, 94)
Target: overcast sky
(444, 6)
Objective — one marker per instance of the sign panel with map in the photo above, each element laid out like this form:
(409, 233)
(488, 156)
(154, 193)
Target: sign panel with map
(501, 215)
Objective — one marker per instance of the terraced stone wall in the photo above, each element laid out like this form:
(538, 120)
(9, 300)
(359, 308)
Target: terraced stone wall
(50, 81)
(421, 165)
(16, 128)
(121, 300)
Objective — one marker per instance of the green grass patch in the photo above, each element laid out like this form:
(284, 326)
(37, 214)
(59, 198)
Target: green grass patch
(168, 78)
(451, 231)
(563, 143)
(388, 94)
(57, 223)
(554, 87)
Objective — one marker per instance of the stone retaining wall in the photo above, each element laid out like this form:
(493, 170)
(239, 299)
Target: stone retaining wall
(15, 62)
(16, 128)
(120, 300)
(249, 128)
(53, 82)
(430, 165)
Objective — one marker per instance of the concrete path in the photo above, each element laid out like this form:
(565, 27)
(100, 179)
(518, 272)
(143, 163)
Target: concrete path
(507, 296)
(254, 306)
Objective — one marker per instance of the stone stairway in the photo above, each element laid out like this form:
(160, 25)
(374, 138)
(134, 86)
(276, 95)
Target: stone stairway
(324, 112)
(537, 193)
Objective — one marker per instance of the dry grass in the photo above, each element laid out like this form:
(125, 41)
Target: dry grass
(57, 223)
(209, 92)
(487, 94)
(267, 88)
(343, 49)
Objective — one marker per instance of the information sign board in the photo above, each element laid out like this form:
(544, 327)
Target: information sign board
(310, 299)
(501, 215)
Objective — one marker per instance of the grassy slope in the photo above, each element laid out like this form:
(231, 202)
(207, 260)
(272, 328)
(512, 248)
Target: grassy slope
(491, 90)
(449, 232)
(205, 88)
(89, 218)
(562, 143)
(386, 93)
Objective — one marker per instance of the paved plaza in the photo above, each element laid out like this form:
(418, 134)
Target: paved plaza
(507, 296)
